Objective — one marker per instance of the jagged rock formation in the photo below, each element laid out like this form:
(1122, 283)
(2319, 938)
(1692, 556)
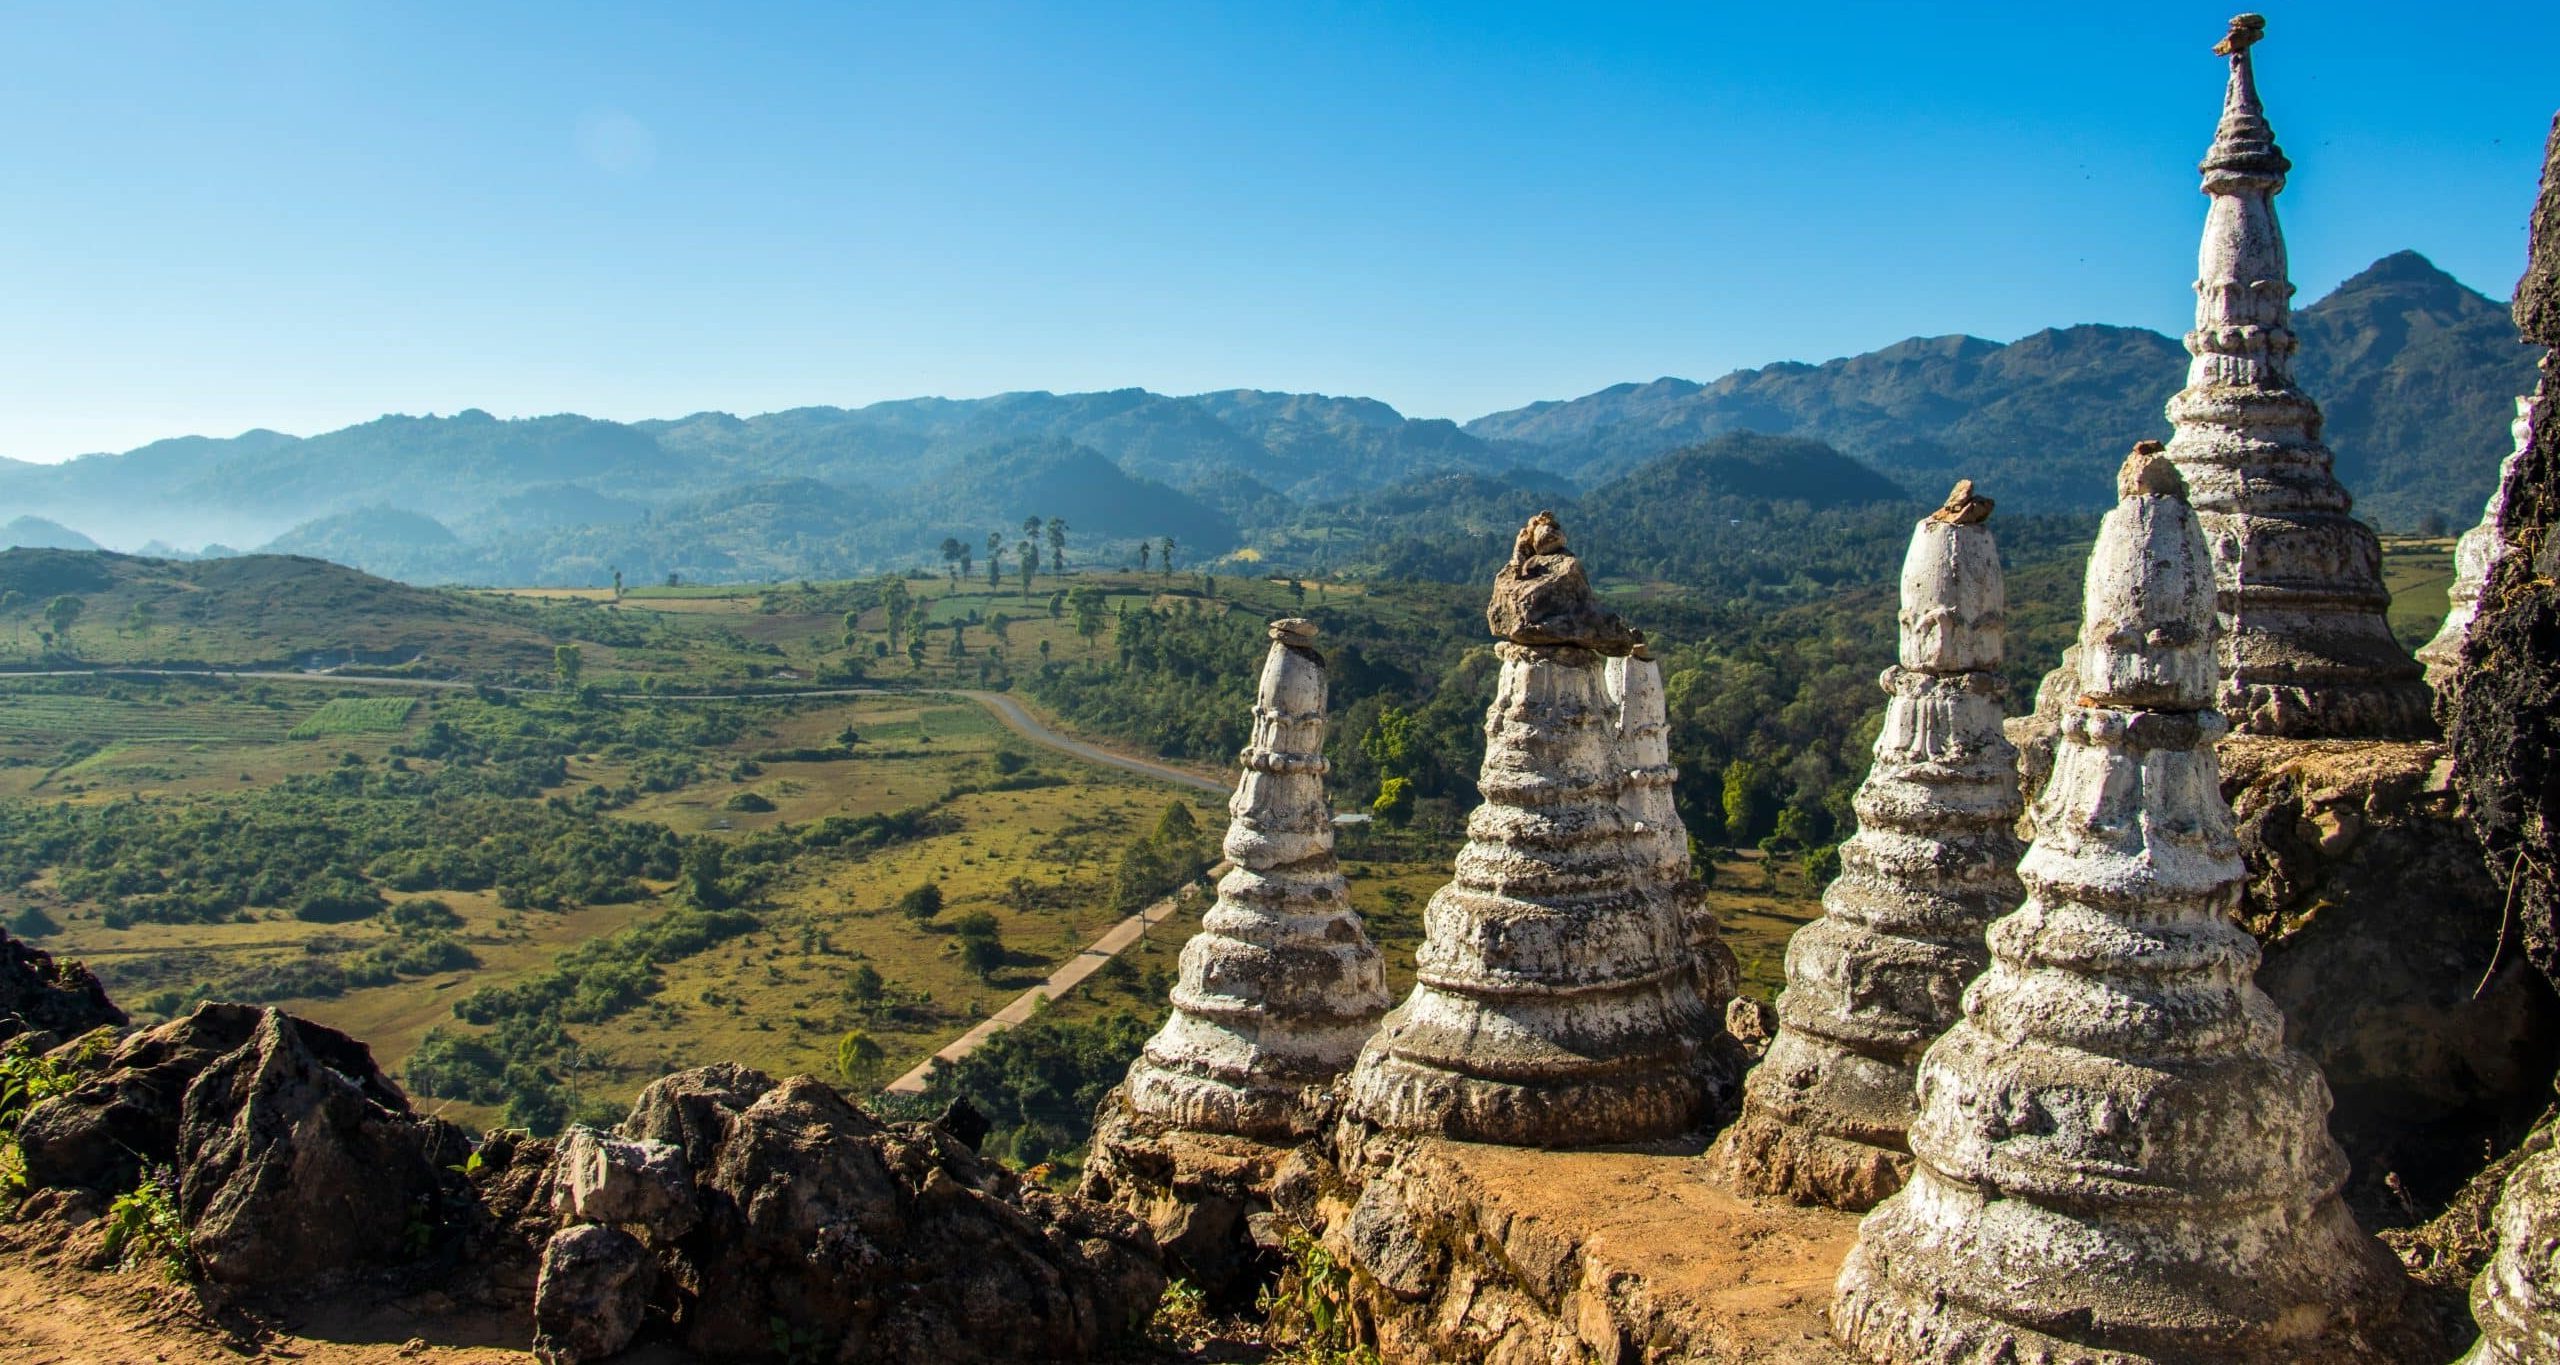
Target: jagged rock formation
(296, 1160)
(812, 1222)
(48, 1002)
(2503, 719)
(2473, 554)
(2504, 729)
(2305, 649)
(1281, 985)
(1555, 1001)
(2116, 1157)
(1826, 1116)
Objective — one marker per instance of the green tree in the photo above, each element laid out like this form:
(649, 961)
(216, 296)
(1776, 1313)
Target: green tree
(1164, 556)
(1395, 802)
(858, 1059)
(568, 663)
(1750, 803)
(852, 629)
(995, 562)
(981, 944)
(866, 986)
(922, 901)
(1057, 545)
(617, 584)
(12, 601)
(1089, 605)
(1057, 605)
(954, 554)
(1145, 548)
(140, 619)
(1030, 561)
(703, 876)
(60, 615)
(896, 602)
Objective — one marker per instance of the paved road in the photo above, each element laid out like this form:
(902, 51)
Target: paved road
(1021, 722)
(1118, 939)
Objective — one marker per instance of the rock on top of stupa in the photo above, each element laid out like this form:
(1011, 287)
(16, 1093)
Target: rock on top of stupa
(1542, 597)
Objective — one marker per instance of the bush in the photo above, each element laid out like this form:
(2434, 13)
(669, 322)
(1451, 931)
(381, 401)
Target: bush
(752, 802)
(338, 900)
(921, 902)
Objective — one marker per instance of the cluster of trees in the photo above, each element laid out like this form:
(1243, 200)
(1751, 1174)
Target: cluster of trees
(1037, 532)
(1039, 1084)
(1169, 857)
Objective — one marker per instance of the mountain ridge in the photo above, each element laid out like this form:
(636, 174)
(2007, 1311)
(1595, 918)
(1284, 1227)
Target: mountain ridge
(2417, 373)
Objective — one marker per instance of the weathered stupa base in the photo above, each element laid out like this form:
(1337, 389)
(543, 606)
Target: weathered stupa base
(2169, 1299)
(1759, 1154)
(1603, 1107)
(1478, 1253)
(1206, 1196)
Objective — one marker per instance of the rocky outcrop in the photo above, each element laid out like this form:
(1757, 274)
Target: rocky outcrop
(128, 1112)
(2304, 647)
(46, 1002)
(2516, 1300)
(2473, 555)
(291, 1174)
(2378, 916)
(2503, 719)
(2116, 1157)
(1206, 1198)
(1281, 985)
(1826, 1116)
(1555, 1000)
(807, 1225)
(297, 1162)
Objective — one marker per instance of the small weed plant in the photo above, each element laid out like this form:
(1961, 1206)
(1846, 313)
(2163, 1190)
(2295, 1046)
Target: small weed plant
(1182, 1321)
(143, 1228)
(1308, 1318)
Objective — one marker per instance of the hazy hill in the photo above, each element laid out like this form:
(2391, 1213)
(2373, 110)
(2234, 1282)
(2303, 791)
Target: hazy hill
(265, 610)
(2415, 371)
(36, 533)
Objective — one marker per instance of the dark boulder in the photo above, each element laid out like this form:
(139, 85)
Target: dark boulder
(292, 1172)
(48, 1001)
(125, 1115)
(593, 1295)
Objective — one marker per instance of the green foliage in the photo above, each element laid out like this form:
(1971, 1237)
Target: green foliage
(356, 716)
(858, 1059)
(27, 1078)
(1038, 1084)
(1182, 1321)
(1395, 802)
(1310, 1316)
(748, 801)
(1171, 855)
(922, 901)
(143, 1228)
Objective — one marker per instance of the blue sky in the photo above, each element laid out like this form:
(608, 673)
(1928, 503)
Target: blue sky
(304, 216)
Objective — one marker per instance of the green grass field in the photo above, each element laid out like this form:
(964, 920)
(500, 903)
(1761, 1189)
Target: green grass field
(355, 716)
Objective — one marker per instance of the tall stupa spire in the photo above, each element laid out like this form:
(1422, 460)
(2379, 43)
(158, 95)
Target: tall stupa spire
(1281, 986)
(2115, 1157)
(2306, 647)
(1826, 1116)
